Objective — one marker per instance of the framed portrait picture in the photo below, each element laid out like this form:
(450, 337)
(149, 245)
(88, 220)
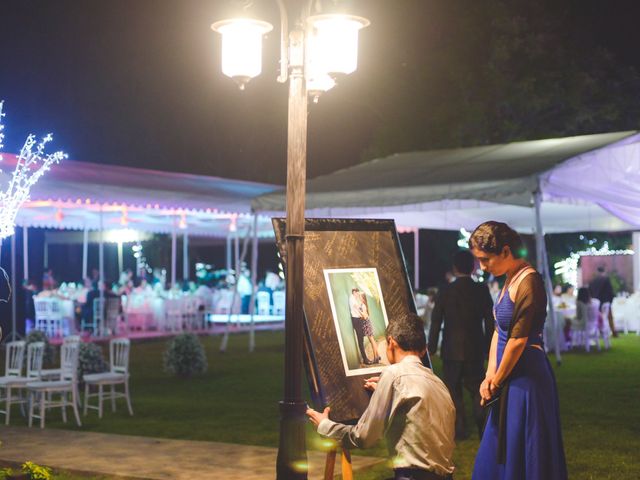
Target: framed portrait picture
(355, 284)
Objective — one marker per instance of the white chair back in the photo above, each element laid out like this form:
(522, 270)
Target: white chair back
(119, 355)
(279, 302)
(35, 356)
(14, 359)
(55, 312)
(69, 353)
(264, 303)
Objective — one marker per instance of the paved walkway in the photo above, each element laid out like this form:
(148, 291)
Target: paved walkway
(124, 456)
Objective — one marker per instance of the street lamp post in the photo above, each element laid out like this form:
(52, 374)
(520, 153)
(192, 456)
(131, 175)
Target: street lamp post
(319, 47)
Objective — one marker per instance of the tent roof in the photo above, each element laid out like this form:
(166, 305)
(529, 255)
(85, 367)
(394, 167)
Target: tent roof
(461, 187)
(72, 195)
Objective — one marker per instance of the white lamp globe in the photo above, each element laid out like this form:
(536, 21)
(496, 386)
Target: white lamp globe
(242, 47)
(336, 42)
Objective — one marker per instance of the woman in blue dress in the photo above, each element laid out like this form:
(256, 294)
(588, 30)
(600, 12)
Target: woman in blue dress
(522, 438)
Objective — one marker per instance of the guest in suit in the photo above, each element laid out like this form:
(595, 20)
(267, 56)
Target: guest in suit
(465, 308)
(601, 288)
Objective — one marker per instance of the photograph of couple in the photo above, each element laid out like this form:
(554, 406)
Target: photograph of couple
(360, 318)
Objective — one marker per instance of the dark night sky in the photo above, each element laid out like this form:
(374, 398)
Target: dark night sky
(138, 82)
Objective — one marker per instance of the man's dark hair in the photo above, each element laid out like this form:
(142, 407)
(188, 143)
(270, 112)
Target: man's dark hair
(408, 331)
(601, 269)
(464, 262)
(354, 289)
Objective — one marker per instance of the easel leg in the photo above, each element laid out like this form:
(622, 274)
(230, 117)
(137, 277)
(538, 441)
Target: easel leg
(345, 463)
(347, 468)
(329, 464)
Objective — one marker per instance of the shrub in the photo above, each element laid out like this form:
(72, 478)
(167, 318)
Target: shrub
(49, 352)
(91, 360)
(185, 356)
(36, 472)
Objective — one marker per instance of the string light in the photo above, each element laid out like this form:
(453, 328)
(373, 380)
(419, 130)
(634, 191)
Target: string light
(568, 268)
(31, 164)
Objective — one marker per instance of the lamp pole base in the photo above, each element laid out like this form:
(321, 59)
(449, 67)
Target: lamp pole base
(292, 461)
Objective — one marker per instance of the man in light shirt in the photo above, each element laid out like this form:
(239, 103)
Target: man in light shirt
(410, 407)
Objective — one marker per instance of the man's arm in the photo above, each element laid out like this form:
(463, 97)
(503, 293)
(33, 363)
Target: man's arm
(370, 428)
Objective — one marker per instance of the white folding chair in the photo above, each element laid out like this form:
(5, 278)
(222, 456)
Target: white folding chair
(604, 329)
(118, 374)
(12, 379)
(43, 392)
(42, 309)
(54, 322)
(279, 302)
(591, 325)
(263, 300)
(55, 373)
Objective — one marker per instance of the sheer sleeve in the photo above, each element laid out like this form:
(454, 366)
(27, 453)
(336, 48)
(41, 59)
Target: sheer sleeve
(530, 308)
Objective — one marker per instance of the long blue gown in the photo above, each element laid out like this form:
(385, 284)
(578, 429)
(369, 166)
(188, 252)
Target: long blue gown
(534, 449)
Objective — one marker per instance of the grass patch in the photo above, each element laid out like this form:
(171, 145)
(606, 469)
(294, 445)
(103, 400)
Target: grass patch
(237, 401)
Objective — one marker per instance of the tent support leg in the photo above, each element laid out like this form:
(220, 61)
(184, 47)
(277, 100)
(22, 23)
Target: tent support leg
(254, 278)
(543, 268)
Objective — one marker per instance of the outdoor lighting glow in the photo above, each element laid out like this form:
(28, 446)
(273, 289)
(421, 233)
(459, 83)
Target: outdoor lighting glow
(463, 241)
(30, 166)
(568, 268)
(335, 47)
(123, 235)
(242, 47)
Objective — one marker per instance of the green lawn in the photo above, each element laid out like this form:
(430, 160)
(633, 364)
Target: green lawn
(237, 401)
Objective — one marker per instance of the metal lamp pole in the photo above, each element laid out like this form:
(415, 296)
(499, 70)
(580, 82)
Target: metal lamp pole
(292, 456)
(302, 75)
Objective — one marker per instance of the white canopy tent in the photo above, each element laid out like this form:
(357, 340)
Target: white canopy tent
(115, 201)
(588, 182)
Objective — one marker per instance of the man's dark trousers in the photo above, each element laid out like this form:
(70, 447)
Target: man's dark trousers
(469, 373)
(359, 328)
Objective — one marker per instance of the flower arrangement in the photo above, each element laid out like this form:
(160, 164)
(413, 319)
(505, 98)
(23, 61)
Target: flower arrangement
(90, 360)
(185, 356)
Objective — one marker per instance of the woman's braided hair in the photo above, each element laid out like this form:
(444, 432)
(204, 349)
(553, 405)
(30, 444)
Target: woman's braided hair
(492, 237)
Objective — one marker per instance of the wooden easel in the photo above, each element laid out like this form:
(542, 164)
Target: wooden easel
(345, 462)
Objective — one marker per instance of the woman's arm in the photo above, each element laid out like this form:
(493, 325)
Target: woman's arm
(485, 386)
(512, 351)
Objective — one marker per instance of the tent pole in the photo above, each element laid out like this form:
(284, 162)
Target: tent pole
(46, 251)
(13, 288)
(25, 252)
(185, 256)
(416, 259)
(102, 285)
(228, 265)
(85, 252)
(636, 261)
(225, 337)
(254, 279)
(120, 259)
(543, 268)
(174, 239)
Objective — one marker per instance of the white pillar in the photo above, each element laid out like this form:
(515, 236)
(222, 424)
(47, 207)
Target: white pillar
(416, 259)
(85, 252)
(25, 252)
(543, 269)
(174, 240)
(228, 265)
(636, 261)
(13, 287)
(185, 256)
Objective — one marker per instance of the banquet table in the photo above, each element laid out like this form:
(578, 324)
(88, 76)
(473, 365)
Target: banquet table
(626, 313)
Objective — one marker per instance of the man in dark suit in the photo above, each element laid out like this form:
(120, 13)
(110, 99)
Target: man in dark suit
(466, 309)
(601, 288)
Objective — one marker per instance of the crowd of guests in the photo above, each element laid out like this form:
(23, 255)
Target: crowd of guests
(514, 396)
(128, 285)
